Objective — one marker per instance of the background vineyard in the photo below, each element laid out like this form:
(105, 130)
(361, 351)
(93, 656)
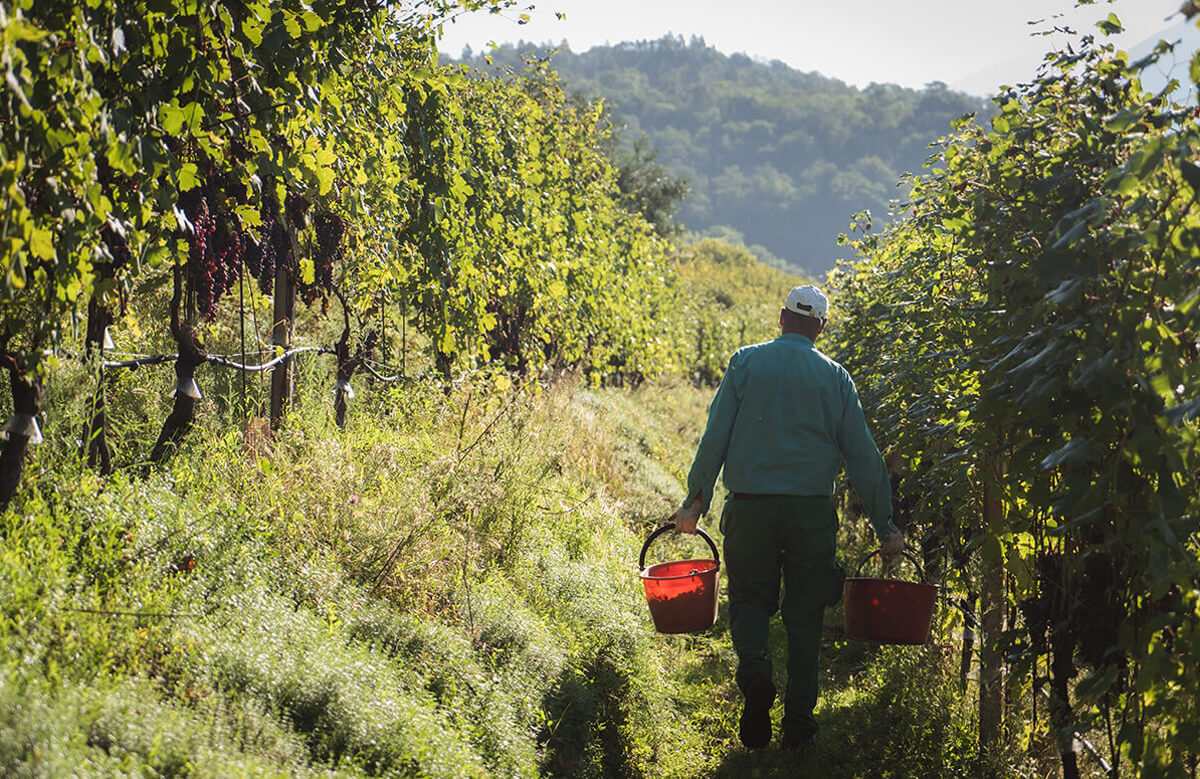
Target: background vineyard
(429, 578)
(1027, 337)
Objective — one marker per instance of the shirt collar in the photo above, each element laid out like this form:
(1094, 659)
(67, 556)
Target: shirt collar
(804, 339)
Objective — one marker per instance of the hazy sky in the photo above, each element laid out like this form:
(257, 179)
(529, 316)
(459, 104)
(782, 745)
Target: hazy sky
(970, 44)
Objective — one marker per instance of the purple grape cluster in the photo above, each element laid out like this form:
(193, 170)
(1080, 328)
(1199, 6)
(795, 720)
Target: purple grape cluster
(262, 255)
(330, 230)
(215, 255)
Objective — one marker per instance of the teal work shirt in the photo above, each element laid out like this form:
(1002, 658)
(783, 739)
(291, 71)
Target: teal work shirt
(782, 422)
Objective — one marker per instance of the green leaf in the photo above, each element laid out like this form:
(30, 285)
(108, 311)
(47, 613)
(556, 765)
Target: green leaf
(325, 178)
(21, 30)
(188, 178)
(1111, 26)
(253, 32)
(171, 118)
(1076, 450)
(1072, 235)
(1093, 687)
(1123, 120)
(14, 278)
(1128, 184)
(1191, 174)
(249, 215)
(1067, 291)
(41, 244)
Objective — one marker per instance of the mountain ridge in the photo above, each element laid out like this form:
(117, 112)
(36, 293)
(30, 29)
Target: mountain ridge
(779, 156)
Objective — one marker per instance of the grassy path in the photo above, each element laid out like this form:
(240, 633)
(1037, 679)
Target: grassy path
(884, 711)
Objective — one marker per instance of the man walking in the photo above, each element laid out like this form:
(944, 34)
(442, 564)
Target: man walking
(782, 421)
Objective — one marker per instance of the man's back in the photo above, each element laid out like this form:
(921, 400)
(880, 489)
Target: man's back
(781, 423)
(792, 400)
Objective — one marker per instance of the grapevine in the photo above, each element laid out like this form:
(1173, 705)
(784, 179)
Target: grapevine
(1025, 344)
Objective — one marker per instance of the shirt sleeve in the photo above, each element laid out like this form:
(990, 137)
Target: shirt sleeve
(714, 444)
(865, 467)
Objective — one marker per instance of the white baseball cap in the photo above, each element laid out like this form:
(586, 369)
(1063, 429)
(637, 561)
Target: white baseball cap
(807, 301)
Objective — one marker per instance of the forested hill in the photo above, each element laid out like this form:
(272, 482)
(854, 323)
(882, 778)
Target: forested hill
(782, 156)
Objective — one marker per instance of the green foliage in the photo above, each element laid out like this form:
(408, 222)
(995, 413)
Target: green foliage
(727, 299)
(112, 115)
(524, 253)
(198, 144)
(647, 188)
(1028, 329)
(780, 155)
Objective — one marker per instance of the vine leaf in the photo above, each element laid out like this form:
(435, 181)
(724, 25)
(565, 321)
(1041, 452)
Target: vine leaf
(1191, 174)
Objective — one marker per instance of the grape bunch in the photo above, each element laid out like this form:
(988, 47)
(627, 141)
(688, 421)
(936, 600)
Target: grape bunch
(215, 254)
(118, 248)
(262, 255)
(200, 252)
(296, 206)
(229, 243)
(330, 230)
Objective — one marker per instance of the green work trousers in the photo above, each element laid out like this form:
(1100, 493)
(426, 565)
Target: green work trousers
(794, 538)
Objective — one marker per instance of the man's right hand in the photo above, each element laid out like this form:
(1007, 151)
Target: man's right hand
(685, 519)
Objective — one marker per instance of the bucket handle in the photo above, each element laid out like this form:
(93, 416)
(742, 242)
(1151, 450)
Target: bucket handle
(666, 528)
(907, 554)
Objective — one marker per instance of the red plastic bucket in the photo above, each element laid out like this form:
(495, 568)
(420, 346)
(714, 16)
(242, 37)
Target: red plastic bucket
(888, 611)
(682, 595)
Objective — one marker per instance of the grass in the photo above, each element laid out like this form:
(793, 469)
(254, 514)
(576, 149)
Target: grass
(446, 588)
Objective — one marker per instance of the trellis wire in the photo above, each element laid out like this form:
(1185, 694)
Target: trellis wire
(225, 361)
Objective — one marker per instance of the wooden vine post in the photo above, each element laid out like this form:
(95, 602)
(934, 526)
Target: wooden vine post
(284, 329)
(992, 604)
(94, 446)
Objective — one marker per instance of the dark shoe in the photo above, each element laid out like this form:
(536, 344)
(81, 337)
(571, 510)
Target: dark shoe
(754, 729)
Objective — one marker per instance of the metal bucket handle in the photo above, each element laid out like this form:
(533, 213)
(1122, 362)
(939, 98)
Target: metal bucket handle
(666, 528)
(909, 555)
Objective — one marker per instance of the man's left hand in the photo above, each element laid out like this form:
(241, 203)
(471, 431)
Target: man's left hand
(893, 547)
(685, 519)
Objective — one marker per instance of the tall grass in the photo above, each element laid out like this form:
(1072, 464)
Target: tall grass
(445, 589)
